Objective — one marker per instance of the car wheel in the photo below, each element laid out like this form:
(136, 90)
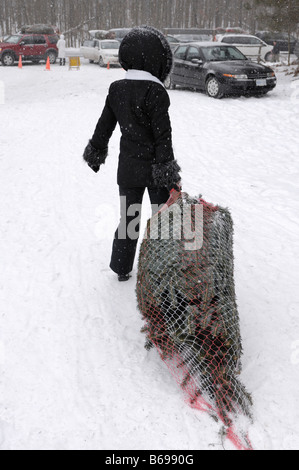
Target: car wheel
(169, 85)
(8, 59)
(52, 56)
(213, 88)
(101, 62)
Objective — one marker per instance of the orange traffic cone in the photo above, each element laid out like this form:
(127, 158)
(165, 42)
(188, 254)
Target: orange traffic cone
(48, 66)
(20, 62)
(108, 66)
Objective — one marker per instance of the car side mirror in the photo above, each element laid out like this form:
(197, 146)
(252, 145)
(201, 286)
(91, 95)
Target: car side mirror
(22, 43)
(197, 61)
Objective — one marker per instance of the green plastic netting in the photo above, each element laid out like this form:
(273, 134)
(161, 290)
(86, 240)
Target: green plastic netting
(186, 295)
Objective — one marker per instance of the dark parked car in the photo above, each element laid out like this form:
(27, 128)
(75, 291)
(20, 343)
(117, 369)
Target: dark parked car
(281, 38)
(219, 70)
(32, 47)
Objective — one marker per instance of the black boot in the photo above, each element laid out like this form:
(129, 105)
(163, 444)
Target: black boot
(123, 277)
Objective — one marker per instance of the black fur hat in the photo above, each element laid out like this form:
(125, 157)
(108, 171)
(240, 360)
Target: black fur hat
(146, 48)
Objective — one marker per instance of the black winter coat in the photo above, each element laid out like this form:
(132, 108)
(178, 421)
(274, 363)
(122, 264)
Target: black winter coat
(140, 107)
(276, 48)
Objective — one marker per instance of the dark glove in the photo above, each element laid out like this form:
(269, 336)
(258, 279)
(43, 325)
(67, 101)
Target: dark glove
(94, 157)
(176, 186)
(95, 168)
(165, 175)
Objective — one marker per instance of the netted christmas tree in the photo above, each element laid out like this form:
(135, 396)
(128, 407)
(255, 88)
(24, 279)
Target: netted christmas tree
(186, 294)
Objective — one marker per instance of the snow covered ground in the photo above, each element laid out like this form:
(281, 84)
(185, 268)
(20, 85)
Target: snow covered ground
(74, 372)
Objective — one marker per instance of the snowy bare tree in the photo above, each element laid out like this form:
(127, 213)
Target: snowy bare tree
(280, 15)
(76, 17)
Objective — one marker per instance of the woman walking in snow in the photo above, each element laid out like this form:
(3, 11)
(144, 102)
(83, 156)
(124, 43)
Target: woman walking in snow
(140, 104)
(61, 49)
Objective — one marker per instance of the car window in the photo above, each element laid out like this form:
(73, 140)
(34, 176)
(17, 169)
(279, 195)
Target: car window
(232, 53)
(28, 40)
(39, 40)
(222, 53)
(193, 53)
(13, 39)
(180, 52)
(255, 41)
(228, 40)
(240, 40)
(110, 45)
(236, 40)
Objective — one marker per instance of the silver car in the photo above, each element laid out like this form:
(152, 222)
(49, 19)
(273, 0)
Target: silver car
(251, 46)
(101, 51)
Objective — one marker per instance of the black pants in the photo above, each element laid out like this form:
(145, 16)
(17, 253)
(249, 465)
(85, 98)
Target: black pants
(127, 235)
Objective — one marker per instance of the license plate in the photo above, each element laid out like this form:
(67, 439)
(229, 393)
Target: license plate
(261, 82)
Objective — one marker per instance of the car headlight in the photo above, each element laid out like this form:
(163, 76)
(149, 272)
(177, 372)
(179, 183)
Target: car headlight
(237, 77)
(271, 75)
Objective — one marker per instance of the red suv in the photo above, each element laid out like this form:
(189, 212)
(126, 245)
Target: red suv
(33, 47)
